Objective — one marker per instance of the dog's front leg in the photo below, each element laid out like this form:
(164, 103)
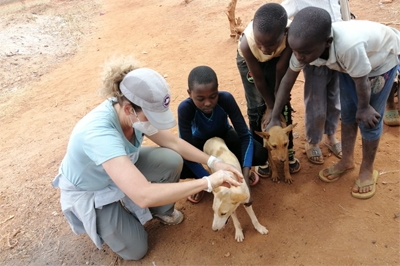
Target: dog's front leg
(274, 171)
(238, 228)
(288, 177)
(259, 227)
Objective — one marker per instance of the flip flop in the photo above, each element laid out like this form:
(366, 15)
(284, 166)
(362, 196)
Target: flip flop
(369, 194)
(253, 178)
(391, 118)
(332, 172)
(194, 199)
(336, 149)
(313, 152)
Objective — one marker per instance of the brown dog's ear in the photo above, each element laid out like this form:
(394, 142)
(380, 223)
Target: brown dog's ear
(238, 197)
(264, 135)
(288, 128)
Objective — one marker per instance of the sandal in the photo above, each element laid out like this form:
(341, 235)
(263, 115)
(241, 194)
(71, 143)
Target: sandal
(372, 183)
(336, 149)
(336, 174)
(196, 198)
(314, 152)
(253, 178)
(391, 118)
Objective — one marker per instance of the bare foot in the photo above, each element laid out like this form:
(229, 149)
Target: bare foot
(365, 182)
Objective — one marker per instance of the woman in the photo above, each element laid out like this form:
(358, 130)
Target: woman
(111, 185)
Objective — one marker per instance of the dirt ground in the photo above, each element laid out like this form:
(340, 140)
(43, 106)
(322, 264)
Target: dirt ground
(51, 56)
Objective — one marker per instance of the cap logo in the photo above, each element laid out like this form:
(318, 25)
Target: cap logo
(166, 101)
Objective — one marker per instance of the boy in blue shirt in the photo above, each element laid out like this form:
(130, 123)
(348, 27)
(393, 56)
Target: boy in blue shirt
(205, 115)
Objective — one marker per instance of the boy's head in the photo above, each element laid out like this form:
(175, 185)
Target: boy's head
(203, 88)
(310, 34)
(269, 27)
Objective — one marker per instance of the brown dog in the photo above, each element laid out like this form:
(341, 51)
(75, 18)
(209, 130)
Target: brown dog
(276, 140)
(227, 199)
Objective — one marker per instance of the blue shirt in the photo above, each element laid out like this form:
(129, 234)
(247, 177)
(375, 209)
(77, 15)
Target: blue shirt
(193, 122)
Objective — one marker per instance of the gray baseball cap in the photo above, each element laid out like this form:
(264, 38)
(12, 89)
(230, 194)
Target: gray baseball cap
(149, 90)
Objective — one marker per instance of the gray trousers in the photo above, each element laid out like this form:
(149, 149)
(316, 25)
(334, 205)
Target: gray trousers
(322, 102)
(121, 230)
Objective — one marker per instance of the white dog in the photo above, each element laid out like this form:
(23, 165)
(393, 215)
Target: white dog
(228, 198)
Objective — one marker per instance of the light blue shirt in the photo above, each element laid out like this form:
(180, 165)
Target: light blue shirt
(96, 138)
(83, 182)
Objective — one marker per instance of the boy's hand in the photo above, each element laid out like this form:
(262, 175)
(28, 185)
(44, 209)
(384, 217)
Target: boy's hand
(267, 119)
(273, 122)
(368, 116)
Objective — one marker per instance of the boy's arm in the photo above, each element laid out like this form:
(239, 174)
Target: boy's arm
(282, 96)
(229, 104)
(365, 112)
(266, 93)
(282, 65)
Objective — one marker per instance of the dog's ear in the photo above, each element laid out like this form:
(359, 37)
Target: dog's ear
(264, 135)
(238, 197)
(289, 128)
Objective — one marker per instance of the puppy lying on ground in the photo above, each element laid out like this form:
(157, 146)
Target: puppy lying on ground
(227, 199)
(276, 140)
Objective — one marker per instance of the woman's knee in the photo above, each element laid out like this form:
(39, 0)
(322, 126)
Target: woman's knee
(134, 252)
(170, 159)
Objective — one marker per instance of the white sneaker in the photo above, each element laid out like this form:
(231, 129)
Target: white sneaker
(175, 218)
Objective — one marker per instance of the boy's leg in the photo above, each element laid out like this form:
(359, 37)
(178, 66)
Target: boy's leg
(371, 137)
(315, 101)
(255, 103)
(186, 171)
(233, 143)
(121, 231)
(160, 165)
(391, 116)
(294, 163)
(333, 111)
(349, 126)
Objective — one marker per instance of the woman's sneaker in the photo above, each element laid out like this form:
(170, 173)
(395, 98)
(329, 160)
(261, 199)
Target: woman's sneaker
(175, 218)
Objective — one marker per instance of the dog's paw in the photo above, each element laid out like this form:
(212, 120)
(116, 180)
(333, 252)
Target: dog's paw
(289, 180)
(261, 229)
(239, 236)
(275, 178)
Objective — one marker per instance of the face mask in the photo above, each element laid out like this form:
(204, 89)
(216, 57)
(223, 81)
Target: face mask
(144, 127)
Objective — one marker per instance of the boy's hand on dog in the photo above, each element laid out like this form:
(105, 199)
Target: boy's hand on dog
(223, 176)
(273, 122)
(267, 118)
(368, 116)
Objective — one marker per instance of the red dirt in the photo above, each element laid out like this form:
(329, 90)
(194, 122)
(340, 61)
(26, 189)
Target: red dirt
(50, 78)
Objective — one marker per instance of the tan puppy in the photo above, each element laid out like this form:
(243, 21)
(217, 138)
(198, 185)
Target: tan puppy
(276, 140)
(227, 199)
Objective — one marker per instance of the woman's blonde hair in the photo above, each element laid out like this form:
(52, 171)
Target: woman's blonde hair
(114, 71)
